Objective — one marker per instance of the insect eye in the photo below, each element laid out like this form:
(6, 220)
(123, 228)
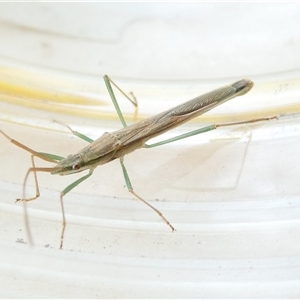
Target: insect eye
(76, 166)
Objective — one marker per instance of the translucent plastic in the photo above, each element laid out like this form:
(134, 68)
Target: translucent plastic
(231, 194)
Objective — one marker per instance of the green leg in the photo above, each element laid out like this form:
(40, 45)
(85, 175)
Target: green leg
(62, 194)
(182, 136)
(78, 134)
(204, 129)
(44, 156)
(109, 83)
(47, 157)
(54, 157)
(34, 170)
(130, 189)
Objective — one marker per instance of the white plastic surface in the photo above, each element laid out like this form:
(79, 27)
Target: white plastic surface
(231, 194)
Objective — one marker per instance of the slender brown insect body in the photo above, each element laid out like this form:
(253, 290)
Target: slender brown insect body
(121, 142)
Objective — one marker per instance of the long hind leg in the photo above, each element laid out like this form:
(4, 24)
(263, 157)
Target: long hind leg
(130, 189)
(44, 156)
(132, 99)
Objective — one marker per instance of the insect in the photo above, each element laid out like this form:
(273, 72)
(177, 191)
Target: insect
(117, 144)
